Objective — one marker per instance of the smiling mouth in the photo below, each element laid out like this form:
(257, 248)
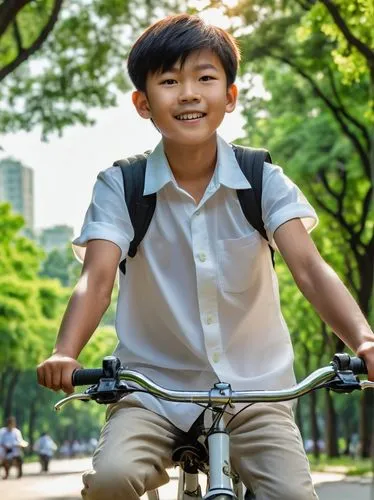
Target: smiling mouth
(190, 116)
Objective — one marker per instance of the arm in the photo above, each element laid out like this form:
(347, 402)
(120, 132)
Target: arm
(325, 291)
(89, 301)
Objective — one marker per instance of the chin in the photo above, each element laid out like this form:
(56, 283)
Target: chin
(193, 139)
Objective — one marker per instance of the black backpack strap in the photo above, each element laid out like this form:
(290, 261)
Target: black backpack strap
(141, 208)
(251, 162)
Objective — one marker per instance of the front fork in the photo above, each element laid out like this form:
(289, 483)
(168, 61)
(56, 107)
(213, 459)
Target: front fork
(220, 473)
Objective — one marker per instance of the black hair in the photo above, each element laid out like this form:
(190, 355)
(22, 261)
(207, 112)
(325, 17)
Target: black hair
(173, 39)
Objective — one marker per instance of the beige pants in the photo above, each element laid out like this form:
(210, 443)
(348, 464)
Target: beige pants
(136, 445)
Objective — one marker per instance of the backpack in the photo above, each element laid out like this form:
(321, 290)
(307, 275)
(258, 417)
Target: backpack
(141, 208)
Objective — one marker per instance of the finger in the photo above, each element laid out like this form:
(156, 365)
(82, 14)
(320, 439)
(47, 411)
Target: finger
(40, 374)
(47, 376)
(66, 382)
(56, 378)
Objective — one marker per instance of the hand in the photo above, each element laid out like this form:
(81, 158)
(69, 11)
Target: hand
(366, 351)
(56, 371)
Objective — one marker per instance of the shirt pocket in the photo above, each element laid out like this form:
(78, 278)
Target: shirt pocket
(236, 261)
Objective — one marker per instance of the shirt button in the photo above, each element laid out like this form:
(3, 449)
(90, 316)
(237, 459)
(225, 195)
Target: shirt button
(197, 212)
(209, 319)
(202, 257)
(216, 357)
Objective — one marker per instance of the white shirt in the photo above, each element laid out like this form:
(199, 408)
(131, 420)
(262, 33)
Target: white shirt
(199, 302)
(45, 446)
(11, 441)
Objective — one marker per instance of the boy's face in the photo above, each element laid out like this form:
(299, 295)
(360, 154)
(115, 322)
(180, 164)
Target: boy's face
(188, 104)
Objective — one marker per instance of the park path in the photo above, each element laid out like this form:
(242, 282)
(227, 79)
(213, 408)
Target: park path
(63, 482)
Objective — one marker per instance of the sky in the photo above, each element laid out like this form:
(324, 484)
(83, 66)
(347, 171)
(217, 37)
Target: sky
(65, 168)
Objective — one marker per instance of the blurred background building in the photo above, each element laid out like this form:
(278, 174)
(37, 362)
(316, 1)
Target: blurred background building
(17, 188)
(56, 237)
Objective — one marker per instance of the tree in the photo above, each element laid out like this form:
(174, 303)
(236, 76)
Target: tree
(19, 42)
(293, 43)
(31, 308)
(28, 306)
(61, 264)
(59, 59)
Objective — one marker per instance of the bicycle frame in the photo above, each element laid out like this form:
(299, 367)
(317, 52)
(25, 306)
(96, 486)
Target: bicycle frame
(113, 382)
(220, 477)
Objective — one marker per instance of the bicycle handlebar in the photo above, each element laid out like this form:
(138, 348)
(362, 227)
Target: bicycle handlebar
(341, 362)
(113, 380)
(221, 393)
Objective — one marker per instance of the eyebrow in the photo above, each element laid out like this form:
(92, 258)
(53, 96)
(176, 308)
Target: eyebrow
(198, 67)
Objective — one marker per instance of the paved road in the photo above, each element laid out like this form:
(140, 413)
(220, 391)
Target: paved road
(63, 482)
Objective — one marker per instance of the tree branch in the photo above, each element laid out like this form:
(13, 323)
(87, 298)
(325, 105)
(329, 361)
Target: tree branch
(305, 4)
(343, 110)
(334, 109)
(353, 240)
(8, 11)
(365, 210)
(350, 275)
(327, 338)
(26, 53)
(335, 214)
(322, 178)
(17, 36)
(348, 35)
(339, 196)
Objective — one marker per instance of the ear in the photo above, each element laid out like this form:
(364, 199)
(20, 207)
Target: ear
(231, 98)
(141, 104)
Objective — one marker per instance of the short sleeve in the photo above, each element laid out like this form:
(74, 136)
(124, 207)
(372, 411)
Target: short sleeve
(282, 201)
(107, 217)
(18, 436)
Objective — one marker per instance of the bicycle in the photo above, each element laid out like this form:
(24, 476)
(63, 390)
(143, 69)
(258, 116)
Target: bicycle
(209, 453)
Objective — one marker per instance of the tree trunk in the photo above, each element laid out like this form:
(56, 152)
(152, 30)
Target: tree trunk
(32, 422)
(314, 423)
(8, 402)
(366, 422)
(331, 436)
(366, 266)
(3, 377)
(347, 443)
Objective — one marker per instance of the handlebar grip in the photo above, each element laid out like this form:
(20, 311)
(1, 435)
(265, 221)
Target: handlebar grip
(87, 376)
(358, 366)
(345, 362)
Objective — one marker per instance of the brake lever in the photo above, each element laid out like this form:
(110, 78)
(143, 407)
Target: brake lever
(344, 382)
(69, 399)
(108, 390)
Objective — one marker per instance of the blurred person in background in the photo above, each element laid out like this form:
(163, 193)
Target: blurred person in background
(45, 448)
(12, 444)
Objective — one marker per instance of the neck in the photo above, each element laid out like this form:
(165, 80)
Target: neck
(191, 163)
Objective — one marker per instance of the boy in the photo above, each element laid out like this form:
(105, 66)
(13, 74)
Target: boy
(199, 301)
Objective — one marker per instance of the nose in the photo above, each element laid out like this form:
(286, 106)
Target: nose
(189, 94)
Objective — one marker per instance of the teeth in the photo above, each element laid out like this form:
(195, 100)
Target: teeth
(190, 116)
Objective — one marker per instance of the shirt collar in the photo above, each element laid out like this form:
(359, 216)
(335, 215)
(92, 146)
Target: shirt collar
(227, 172)
(158, 172)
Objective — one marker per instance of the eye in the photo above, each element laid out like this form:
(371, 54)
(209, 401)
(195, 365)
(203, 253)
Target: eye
(206, 78)
(168, 81)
